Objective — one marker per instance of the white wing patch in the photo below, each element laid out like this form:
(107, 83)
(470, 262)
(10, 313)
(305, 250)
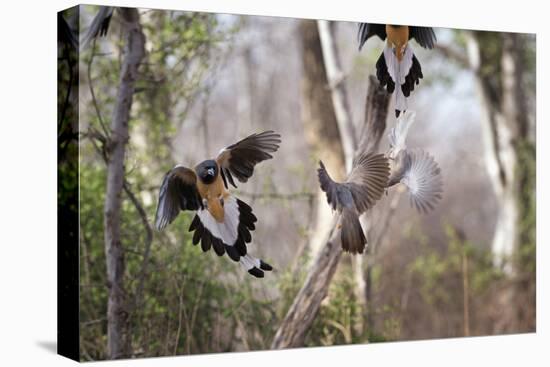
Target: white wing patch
(228, 230)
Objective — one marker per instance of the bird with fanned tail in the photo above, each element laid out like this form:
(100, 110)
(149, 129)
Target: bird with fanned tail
(415, 168)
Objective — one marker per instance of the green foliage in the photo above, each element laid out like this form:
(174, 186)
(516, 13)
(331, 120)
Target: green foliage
(191, 302)
(433, 268)
(339, 315)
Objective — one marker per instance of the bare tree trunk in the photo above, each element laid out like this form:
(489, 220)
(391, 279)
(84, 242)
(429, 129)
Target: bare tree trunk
(306, 305)
(117, 313)
(340, 102)
(498, 61)
(335, 77)
(499, 75)
(320, 124)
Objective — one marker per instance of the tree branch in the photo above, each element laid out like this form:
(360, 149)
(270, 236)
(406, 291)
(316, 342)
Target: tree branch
(117, 313)
(306, 305)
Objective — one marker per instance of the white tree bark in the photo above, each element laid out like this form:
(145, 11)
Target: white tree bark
(335, 77)
(504, 122)
(117, 312)
(320, 126)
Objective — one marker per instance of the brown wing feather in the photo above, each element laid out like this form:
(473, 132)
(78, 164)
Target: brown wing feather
(368, 179)
(178, 191)
(239, 159)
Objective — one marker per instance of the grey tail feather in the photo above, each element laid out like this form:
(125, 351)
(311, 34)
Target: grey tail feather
(353, 238)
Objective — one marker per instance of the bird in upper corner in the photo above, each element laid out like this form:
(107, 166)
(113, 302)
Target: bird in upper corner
(222, 221)
(99, 26)
(414, 168)
(364, 186)
(397, 65)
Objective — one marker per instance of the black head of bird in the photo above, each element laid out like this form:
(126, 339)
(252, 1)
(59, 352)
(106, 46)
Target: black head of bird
(207, 171)
(221, 221)
(397, 65)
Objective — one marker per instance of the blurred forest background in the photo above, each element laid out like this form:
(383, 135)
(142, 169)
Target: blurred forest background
(198, 82)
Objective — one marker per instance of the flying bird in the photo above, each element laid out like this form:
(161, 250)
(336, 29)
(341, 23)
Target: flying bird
(221, 220)
(364, 186)
(397, 65)
(99, 26)
(414, 168)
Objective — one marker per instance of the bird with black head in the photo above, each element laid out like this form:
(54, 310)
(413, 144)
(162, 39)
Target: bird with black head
(222, 221)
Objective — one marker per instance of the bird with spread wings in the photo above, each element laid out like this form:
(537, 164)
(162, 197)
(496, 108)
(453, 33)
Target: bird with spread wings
(222, 221)
(364, 186)
(397, 65)
(372, 174)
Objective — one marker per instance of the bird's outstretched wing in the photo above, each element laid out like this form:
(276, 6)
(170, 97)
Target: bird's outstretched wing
(425, 36)
(240, 158)
(367, 30)
(364, 186)
(178, 191)
(99, 25)
(420, 173)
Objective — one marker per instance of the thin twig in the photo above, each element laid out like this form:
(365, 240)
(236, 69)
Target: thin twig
(66, 102)
(92, 93)
(277, 196)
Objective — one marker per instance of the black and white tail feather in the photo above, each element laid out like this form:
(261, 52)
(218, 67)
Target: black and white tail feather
(229, 236)
(398, 134)
(414, 168)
